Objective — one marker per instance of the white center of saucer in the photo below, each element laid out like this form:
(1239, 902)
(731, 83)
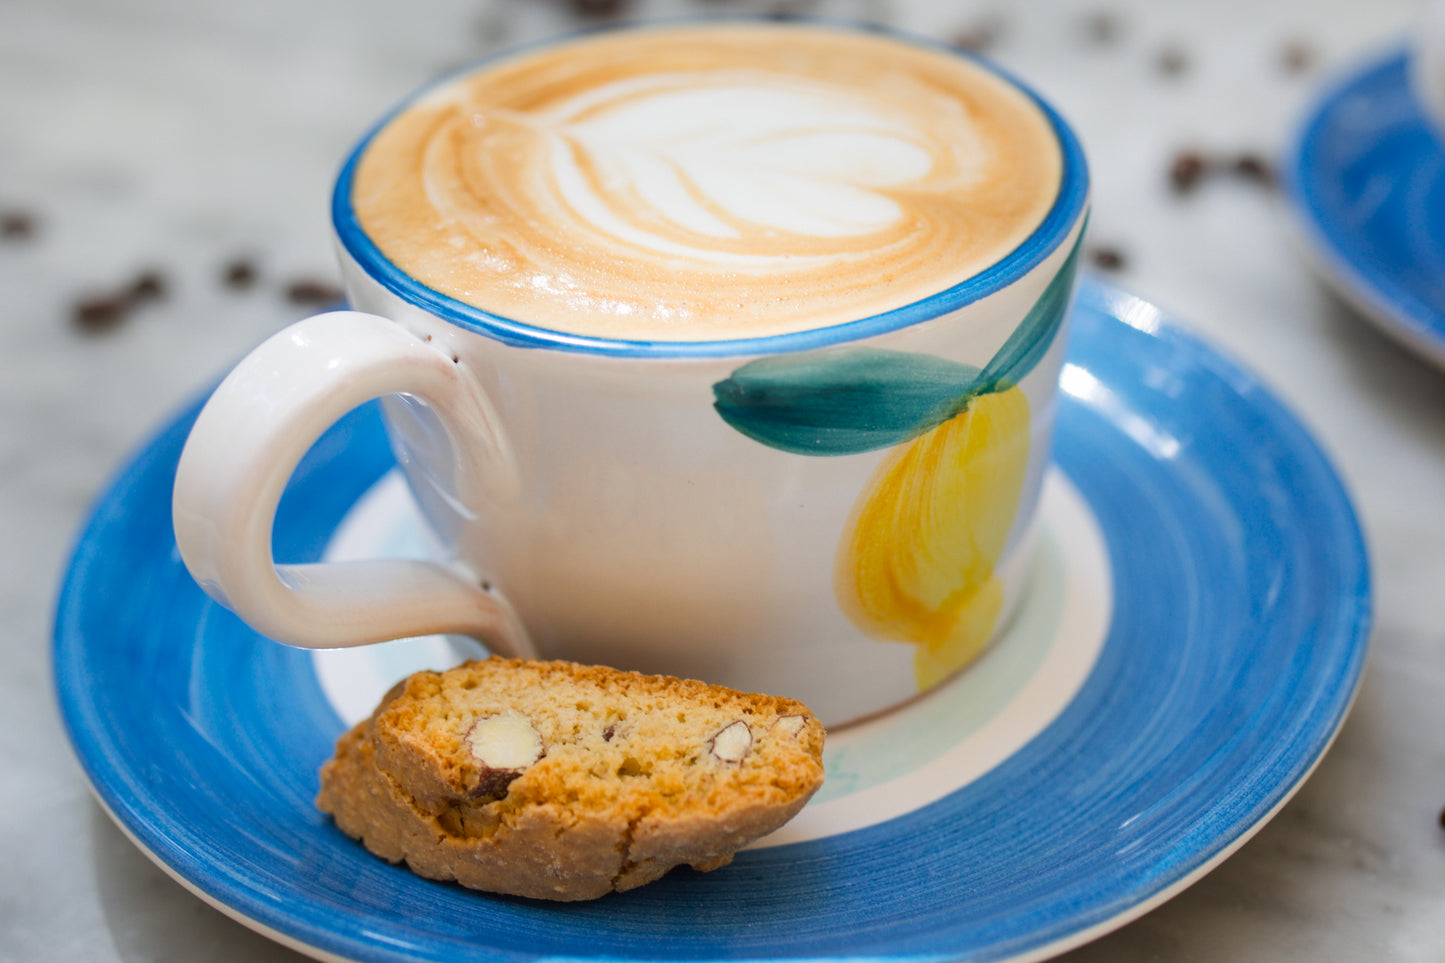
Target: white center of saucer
(876, 770)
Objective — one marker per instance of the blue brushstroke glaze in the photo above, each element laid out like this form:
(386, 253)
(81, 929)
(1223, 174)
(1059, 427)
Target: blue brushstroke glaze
(845, 401)
(1240, 603)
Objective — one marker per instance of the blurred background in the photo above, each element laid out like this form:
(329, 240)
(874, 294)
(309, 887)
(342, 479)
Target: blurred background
(165, 170)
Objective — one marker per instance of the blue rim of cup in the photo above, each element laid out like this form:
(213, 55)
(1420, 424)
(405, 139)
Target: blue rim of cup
(1069, 206)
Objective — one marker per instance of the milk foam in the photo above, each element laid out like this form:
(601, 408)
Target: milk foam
(708, 182)
(767, 153)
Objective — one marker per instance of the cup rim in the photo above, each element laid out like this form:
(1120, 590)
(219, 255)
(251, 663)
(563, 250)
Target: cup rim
(1058, 224)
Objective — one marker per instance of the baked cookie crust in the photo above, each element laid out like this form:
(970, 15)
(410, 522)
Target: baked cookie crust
(559, 781)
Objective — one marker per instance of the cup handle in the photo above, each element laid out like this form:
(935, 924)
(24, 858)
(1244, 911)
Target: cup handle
(251, 435)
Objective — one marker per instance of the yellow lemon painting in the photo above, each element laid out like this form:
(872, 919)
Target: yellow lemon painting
(916, 563)
(917, 558)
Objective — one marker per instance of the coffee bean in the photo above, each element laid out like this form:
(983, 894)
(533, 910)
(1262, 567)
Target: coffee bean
(790, 9)
(148, 286)
(1102, 28)
(1254, 167)
(1107, 258)
(308, 291)
(493, 29)
(1296, 57)
(598, 8)
(1172, 61)
(16, 225)
(101, 313)
(979, 36)
(238, 275)
(1186, 171)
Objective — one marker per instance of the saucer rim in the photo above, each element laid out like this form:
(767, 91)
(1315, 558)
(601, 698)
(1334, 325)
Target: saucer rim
(1114, 306)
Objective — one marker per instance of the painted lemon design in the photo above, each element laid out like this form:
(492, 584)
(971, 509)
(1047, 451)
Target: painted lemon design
(916, 561)
(917, 557)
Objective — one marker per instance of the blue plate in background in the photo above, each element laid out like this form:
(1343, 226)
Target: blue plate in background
(1366, 179)
(1235, 645)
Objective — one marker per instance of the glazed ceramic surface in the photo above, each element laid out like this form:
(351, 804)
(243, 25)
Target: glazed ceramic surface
(1366, 179)
(843, 514)
(1217, 594)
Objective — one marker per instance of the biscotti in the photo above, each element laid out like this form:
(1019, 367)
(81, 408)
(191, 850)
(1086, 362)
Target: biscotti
(560, 781)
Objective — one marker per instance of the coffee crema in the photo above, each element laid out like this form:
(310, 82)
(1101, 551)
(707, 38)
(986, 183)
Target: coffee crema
(709, 182)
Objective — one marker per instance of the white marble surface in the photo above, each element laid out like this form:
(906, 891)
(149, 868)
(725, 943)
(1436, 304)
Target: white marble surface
(180, 135)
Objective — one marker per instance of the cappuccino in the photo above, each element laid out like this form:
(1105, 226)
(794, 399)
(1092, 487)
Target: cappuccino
(708, 182)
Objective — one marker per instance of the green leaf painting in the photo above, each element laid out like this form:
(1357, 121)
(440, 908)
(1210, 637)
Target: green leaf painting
(843, 401)
(916, 559)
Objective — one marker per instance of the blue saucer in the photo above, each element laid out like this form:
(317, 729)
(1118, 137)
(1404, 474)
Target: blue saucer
(1238, 632)
(1366, 178)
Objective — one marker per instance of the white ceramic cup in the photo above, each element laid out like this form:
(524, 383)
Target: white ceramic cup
(673, 507)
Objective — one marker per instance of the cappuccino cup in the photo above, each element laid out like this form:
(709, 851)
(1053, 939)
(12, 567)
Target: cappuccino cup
(725, 350)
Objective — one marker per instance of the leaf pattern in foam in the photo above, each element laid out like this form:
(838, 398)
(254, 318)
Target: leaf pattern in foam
(722, 155)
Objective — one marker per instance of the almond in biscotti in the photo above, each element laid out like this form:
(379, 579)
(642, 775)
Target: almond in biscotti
(503, 745)
(560, 781)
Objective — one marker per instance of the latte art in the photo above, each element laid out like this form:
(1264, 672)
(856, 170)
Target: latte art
(708, 182)
(732, 156)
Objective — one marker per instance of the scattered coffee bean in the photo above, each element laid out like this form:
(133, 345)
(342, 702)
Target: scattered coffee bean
(1253, 167)
(308, 291)
(1190, 167)
(148, 286)
(790, 9)
(100, 313)
(1102, 28)
(1172, 61)
(1107, 258)
(493, 29)
(1442, 819)
(980, 36)
(1187, 170)
(238, 275)
(16, 225)
(1296, 57)
(597, 8)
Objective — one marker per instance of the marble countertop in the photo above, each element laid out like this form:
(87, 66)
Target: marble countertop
(181, 141)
